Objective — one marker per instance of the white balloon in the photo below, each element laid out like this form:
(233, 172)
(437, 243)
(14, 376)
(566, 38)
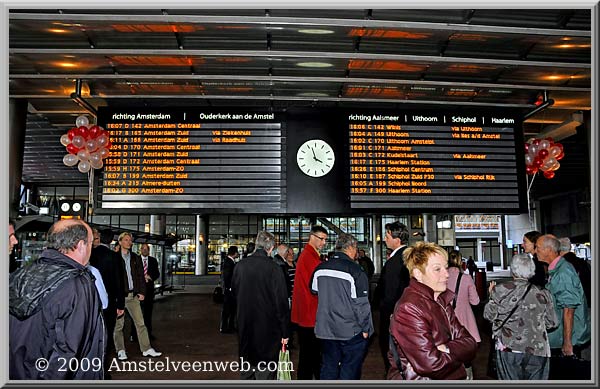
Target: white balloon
(102, 141)
(533, 149)
(528, 159)
(83, 155)
(91, 145)
(64, 140)
(84, 166)
(95, 158)
(78, 141)
(82, 121)
(70, 160)
(104, 152)
(97, 164)
(544, 144)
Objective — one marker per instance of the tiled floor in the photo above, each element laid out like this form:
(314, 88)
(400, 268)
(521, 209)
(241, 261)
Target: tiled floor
(186, 326)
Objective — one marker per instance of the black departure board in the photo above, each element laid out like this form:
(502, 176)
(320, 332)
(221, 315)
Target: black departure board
(192, 159)
(436, 160)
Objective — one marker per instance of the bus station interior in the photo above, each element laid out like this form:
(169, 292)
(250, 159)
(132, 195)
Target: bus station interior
(535, 64)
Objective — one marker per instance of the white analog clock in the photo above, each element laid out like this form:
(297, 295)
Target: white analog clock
(315, 158)
(65, 207)
(76, 207)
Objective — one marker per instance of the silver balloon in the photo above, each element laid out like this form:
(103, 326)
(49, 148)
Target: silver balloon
(82, 121)
(84, 166)
(102, 141)
(97, 164)
(64, 140)
(95, 158)
(78, 141)
(533, 149)
(555, 151)
(544, 144)
(83, 155)
(91, 145)
(528, 159)
(104, 152)
(70, 160)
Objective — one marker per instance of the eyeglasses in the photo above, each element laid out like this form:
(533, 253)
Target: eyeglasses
(320, 238)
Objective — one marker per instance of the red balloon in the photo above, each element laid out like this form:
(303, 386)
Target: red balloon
(72, 149)
(83, 131)
(72, 133)
(549, 174)
(560, 156)
(108, 145)
(537, 162)
(543, 153)
(536, 142)
(529, 170)
(93, 132)
(559, 146)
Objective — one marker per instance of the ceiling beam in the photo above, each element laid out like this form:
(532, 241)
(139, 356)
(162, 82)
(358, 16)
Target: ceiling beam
(293, 21)
(345, 80)
(296, 54)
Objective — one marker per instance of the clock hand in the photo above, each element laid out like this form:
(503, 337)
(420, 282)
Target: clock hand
(314, 155)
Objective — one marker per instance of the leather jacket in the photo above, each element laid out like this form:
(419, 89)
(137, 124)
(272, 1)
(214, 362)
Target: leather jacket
(418, 325)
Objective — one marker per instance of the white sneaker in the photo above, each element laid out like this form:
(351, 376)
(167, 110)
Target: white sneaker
(122, 355)
(151, 353)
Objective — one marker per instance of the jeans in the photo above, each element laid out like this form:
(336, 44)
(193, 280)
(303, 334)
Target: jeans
(522, 366)
(343, 359)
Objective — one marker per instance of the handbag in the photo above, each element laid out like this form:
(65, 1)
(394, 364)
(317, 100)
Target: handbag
(218, 294)
(492, 367)
(284, 367)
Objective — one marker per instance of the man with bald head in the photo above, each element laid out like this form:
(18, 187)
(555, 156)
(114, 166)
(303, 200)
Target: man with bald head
(55, 311)
(573, 333)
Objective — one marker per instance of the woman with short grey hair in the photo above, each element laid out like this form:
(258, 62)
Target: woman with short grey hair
(521, 313)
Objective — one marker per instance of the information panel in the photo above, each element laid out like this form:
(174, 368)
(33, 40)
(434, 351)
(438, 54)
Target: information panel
(434, 161)
(192, 159)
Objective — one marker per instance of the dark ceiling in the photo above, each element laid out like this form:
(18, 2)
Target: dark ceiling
(279, 58)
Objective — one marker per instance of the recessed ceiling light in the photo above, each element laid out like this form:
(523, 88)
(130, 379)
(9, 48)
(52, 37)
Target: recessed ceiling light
(315, 31)
(314, 64)
(58, 30)
(66, 64)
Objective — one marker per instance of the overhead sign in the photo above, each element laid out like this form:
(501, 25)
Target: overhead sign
(192, 159)
(430, 161)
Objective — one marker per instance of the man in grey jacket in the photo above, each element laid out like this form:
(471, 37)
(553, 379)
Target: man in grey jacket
(344, 321)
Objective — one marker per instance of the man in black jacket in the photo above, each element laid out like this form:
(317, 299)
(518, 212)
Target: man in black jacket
(392, 281)
(151, 274)
(55, 311)
(228, 311)
(262, 308)
(110, 266)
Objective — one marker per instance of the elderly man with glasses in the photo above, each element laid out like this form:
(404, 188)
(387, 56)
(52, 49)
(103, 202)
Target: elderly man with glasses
(304, 306)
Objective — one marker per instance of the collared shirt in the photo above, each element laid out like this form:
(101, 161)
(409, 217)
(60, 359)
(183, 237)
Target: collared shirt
(100, 286)
(394, 252)
(127, 259)
(554, 263)
(145, 263)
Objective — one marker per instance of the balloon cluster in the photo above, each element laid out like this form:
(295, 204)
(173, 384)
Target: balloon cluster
(87, 145)
(543, 154)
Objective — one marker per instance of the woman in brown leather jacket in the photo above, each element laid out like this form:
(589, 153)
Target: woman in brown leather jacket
(428, 342)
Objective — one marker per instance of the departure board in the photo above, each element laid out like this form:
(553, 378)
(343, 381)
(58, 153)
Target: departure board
(433, 161)
(192, 159)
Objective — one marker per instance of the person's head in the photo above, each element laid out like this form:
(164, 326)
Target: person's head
(266, 241)
(347, 244)
(318, 237)
(282, 250)
(289, 255)
(96, 235)
(396, 235)
(547, 248)
(529, 240)
(361, 253)
(233, 252)
(106, 236)
(522, 266)
(250, 247)
(145, 249)
(73, 238)
(428, 263)
(565, 245)
(12, 238)
(455, 259)
(125, 241)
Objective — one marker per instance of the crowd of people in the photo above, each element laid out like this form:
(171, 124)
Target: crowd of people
(76, 295)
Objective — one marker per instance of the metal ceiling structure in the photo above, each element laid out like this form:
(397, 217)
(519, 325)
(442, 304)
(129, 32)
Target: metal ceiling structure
(277, 58)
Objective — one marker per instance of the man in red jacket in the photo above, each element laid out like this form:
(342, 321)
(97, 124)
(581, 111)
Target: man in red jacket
(304, 306)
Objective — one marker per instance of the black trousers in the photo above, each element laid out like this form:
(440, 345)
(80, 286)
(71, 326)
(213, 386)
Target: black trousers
(147, 307)
(228, 312)
(384, 337)
(309, 354)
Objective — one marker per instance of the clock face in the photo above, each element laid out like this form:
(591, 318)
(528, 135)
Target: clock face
(76, 207)
(315, 158)
(65, 207)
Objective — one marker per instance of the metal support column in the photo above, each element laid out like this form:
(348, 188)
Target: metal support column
(17, 124)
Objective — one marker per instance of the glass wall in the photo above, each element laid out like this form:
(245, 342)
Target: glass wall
(229, 230)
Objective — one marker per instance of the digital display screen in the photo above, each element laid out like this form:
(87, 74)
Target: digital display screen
(192, 159)
(436, 160)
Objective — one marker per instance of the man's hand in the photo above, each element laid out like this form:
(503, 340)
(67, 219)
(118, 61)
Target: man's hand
(120, 312)
(443, 348)
(492, 286)
(365, 335)
(567, 348)
(284, 340)
(140, 297)
(147, 278)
